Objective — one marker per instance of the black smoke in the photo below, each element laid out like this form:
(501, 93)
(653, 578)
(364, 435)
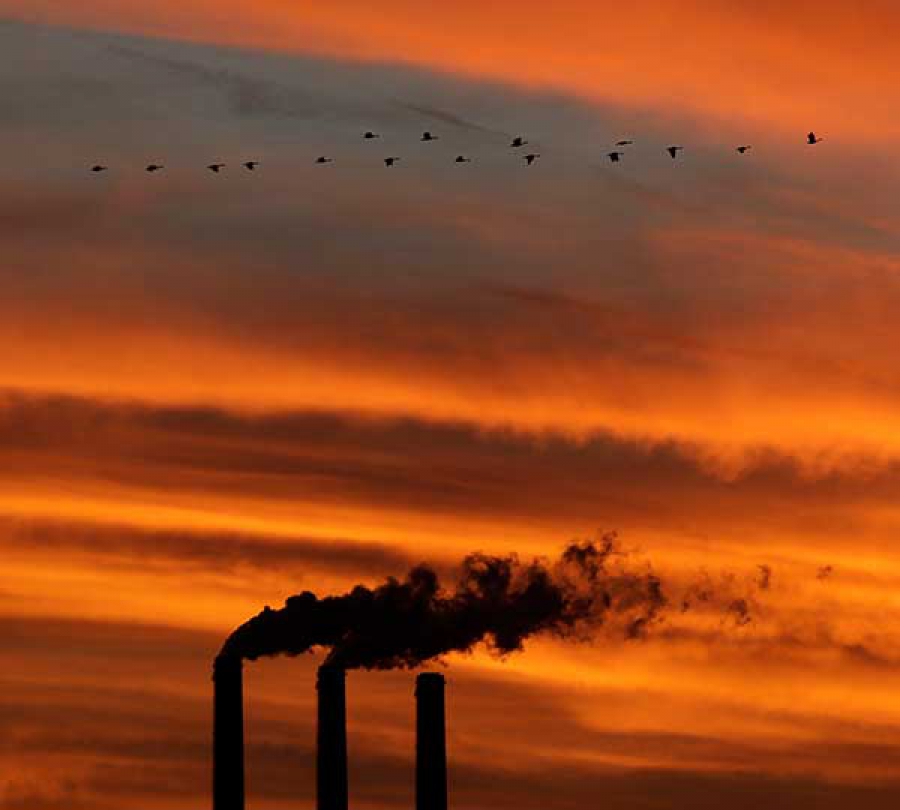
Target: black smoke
(498, 601)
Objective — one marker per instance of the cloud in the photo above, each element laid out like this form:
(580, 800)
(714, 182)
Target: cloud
(148, 746)
(206, 552)
(574, 53)
(414, 464)
(419, 298)
(448, 118)
(248, 96)
(41, 794)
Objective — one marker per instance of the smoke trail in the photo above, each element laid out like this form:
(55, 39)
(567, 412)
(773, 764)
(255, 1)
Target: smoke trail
(734, 601)
(501, 601)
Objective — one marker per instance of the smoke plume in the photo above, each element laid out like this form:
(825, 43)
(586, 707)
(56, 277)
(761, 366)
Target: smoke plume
(499, 601)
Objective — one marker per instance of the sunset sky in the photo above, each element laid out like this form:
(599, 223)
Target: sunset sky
(219, 390)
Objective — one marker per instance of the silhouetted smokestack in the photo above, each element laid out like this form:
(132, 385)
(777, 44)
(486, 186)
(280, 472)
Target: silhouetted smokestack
(331, 739)
(228, 734)
(431, 746)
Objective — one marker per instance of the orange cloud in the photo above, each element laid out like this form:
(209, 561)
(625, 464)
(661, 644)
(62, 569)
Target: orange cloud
(741, 370)
(772, 67)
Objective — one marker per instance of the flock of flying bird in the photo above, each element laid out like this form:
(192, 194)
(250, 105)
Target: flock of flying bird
(517, 143)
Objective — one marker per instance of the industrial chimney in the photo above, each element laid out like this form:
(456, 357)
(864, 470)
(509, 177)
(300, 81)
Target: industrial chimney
(228, 734)
(331, 740)
(431, 746)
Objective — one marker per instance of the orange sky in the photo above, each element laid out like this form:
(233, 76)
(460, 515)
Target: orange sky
(217, 391)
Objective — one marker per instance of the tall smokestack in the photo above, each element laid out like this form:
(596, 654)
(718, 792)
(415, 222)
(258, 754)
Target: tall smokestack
(431, 745)
(331, 739)
(228, 734)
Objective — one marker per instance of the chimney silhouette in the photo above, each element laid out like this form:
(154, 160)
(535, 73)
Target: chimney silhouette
(228, 734)
(431, 745)
(331, 739)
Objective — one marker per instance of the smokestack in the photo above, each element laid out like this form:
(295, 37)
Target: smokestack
(228, 734)
(431, 745)
(331, 739)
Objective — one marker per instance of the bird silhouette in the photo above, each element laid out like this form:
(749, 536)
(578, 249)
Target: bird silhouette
(614, 156)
